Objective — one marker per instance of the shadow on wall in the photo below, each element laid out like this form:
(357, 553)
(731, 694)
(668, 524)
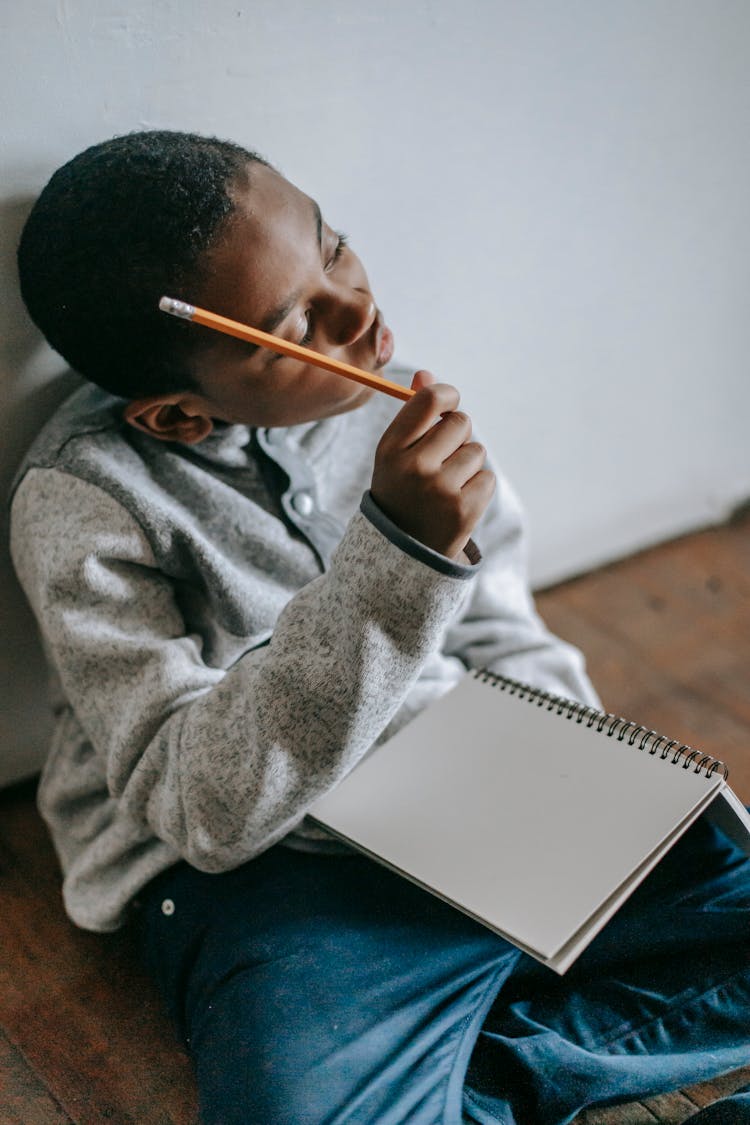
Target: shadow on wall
(34, 382)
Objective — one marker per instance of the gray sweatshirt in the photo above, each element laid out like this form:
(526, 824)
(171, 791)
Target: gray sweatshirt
(231, 627)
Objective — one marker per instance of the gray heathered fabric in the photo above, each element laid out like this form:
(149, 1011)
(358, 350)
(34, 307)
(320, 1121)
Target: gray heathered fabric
(222, 652)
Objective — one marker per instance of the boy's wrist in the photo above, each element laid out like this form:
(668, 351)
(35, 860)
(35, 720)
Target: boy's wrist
(464, 566)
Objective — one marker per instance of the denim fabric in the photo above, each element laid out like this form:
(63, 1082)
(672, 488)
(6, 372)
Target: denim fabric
(315, 989)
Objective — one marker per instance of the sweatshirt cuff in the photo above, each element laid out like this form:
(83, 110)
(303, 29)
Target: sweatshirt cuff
(418, 550)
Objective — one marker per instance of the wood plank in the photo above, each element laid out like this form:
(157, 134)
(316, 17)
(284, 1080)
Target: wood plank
(24, 1099)
(108, 1053)
(706, 1093)
(25, 837)
(634, 1113)
(660, 607)
(656, 597)
(629, 686)
(668, 609)
(667, 637)
(667, 1109)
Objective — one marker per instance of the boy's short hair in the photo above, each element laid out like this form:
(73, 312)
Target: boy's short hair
(116, 228)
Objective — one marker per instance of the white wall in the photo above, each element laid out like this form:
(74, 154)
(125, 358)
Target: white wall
(551, 199)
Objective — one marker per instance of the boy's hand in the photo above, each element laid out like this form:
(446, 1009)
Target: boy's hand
(429, 477)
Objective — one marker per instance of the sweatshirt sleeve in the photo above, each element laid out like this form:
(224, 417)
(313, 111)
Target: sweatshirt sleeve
(219, 763)
(499, 627)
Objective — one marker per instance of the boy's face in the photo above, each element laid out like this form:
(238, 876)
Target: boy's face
(281, 268)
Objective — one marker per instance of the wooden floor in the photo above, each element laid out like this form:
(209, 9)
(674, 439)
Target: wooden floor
(667, 637)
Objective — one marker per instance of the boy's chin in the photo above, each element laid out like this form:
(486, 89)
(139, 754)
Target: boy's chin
(359, 397)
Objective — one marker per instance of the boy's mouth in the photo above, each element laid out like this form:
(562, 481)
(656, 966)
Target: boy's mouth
(383, 341)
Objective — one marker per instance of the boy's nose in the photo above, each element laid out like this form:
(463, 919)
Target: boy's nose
(356, 315)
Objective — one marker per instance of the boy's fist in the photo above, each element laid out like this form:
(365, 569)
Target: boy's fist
(429, 476)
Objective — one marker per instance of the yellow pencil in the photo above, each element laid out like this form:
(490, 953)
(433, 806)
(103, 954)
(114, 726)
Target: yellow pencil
(284, 347)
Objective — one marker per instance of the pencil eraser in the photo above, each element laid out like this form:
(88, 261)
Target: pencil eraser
(176, 308)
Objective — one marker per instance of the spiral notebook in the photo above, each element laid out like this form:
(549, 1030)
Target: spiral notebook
(535, 815)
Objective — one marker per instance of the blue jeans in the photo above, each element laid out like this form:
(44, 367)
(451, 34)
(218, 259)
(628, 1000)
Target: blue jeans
(318, 989)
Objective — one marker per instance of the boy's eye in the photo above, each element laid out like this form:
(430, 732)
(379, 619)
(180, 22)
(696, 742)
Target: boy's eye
(340, 247)
(342, 243)
(309, 332)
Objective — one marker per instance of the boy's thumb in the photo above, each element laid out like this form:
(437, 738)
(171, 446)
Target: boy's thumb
(422, 379)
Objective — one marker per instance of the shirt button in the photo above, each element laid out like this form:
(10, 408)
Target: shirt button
(303, 503)
(167, 907)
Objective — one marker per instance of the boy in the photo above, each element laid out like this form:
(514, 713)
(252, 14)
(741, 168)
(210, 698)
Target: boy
(247, 573)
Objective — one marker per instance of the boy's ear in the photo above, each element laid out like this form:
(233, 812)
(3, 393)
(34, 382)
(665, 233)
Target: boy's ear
(176, 417)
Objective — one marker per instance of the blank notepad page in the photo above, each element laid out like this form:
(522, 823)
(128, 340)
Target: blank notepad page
(520, 816)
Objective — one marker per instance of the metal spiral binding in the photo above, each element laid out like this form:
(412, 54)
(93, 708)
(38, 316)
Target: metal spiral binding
(611, 725)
